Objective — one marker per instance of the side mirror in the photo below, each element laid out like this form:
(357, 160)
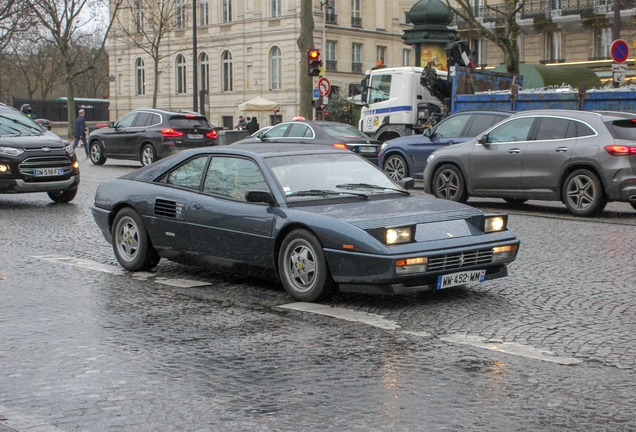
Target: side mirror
(260, 197)
(428, 132)
(483, 140)
(111, 125)
(407, 183)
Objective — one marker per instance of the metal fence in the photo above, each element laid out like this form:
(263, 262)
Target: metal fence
(55, 110)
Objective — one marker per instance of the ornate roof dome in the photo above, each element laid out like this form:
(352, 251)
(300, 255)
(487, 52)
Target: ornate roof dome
(434, 12)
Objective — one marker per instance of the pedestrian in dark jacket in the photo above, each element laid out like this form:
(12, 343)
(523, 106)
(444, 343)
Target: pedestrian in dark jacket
(253, 126)
(80, 131)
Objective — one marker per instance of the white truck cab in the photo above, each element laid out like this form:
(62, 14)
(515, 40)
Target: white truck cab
(391, 97)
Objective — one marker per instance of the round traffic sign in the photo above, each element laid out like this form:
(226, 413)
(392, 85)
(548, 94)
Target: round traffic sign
(619, 50)
(324, 86)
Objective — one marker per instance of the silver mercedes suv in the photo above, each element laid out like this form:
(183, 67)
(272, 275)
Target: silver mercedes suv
(583, 158)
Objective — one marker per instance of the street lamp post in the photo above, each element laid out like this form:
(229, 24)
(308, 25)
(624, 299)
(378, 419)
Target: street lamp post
(195, 90)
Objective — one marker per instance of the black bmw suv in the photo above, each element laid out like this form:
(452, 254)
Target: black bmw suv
(148, 135)
(33, 159)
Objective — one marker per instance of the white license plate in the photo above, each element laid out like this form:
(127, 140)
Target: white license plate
(195, 136)
(367, 149)
(42, 172)
(461, 278)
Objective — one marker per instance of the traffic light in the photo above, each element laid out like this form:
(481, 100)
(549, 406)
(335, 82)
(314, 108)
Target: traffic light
(313, 62)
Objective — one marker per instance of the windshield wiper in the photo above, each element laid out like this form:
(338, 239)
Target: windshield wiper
(370, 186)
(11, 128)
(324, 192)
(21, 123)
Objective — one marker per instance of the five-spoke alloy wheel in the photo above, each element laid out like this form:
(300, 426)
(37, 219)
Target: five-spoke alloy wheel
(131, 243)
(302, 266)
(148, 155)
(449, 184)
(583, 193)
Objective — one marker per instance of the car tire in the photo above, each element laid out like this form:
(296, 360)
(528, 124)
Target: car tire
(396, 168)
(62, 197)
(302, 266)
(583, 193)
(515, 201)
(148, 155)
(449, 184)
(131, 243)
(96, 153)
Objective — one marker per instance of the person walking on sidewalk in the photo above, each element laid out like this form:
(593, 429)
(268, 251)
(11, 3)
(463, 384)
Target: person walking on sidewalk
(80, 131)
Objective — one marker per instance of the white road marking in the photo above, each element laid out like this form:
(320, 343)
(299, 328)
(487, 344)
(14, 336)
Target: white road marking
(380, 322)
(93, 265)
(511, 348)
(344, 314)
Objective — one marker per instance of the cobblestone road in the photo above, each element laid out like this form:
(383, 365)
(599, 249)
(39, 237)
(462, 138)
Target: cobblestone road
(92, 351)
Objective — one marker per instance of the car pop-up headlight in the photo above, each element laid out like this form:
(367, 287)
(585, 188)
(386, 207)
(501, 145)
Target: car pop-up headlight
(11, 151)
(394, 236)
(495, 223)
(398, 235)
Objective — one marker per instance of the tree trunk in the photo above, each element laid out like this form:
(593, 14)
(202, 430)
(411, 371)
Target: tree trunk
(155, 87)
(306, 42)
(70, 101)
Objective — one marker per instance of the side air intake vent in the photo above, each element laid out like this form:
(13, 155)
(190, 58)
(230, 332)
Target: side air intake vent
(169, 209)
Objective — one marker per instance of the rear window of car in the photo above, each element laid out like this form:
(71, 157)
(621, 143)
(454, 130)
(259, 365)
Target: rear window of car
(189, 123)
(622, 129)
(343, 130)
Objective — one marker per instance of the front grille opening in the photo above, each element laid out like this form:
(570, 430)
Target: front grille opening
(29, 165)
(459, 260)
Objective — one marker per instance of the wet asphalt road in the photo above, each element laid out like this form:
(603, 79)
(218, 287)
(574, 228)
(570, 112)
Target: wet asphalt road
(82, 349)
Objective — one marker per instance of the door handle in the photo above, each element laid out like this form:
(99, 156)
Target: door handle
(514, 151)
(197, 206)
(561, 149)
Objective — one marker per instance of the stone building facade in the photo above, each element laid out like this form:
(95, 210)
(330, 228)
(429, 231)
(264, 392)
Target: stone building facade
(247, 48)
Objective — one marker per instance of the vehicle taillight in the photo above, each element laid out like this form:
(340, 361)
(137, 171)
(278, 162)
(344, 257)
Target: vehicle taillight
(340, 146)
(213, 134)
(190, 116)
(171, 133)
(621, 150)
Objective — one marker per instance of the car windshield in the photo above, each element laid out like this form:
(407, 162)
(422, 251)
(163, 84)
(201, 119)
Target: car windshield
(328, 173)
(16, 124)
(338, 130)
(623, 129)
(189, 123)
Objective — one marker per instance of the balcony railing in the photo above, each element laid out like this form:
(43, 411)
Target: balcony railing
(546, 9)
(332, 18)
(356, 22)
(356, 67)
(332, 65)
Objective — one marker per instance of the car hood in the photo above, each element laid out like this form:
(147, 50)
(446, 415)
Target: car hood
(47, 139)
(392, 212)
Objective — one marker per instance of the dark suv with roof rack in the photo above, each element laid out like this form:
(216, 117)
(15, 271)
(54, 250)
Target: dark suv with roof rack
(33, 159)
(148, 135)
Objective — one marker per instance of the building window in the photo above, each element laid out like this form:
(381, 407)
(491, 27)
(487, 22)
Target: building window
(139, 16)
(381, 56)
(407, 17)
(356, 18)
(180, 15)
(331, 17)
(140, 77)
(356, 58)
(406, 57)
(204, 72)
(226, 12)
(275, 69)
(552, 47)
(477, 50)
(602, 43)
(332, 63)
(226, 71)
(276, 9)
(181, 74)
(203, 12)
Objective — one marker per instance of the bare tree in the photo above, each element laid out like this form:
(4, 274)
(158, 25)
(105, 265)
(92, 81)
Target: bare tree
(305, 42)
(66, 23)
(147, 23)
(39, 62)
(505, 37)
(95, 81)
(13, 19)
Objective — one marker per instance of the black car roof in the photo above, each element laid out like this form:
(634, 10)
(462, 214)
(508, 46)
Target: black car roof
(285, 149)
(167, 111)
